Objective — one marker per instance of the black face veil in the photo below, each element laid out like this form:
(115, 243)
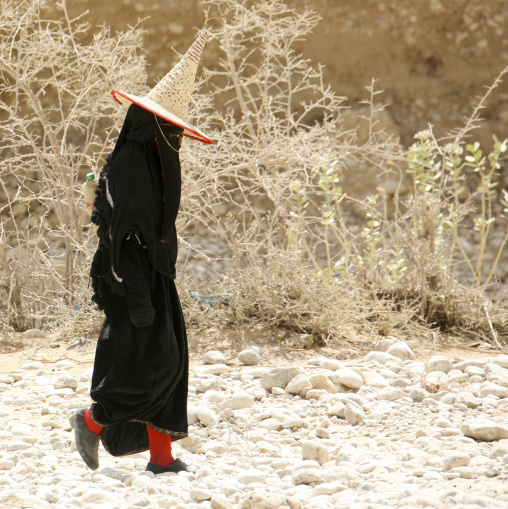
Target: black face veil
(144, 182)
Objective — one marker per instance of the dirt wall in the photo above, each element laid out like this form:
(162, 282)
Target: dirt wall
(432, 58)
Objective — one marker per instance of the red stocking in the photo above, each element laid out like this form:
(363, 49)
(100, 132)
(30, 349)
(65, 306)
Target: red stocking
(160, 447)
(91, 426)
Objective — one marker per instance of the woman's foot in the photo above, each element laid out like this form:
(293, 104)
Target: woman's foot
(87, 442)
(176, 466)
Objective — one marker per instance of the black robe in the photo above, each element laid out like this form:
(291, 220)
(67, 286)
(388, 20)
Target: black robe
(140, 371)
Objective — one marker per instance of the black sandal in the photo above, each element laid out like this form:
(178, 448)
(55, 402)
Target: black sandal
(176, 466)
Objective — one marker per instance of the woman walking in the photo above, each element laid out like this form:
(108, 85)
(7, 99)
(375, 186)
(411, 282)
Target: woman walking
(140, 376)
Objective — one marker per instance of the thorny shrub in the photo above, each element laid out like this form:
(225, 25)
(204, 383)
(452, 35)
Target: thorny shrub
(57, 121)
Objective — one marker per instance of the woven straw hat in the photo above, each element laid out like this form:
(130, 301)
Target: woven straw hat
(169, 99)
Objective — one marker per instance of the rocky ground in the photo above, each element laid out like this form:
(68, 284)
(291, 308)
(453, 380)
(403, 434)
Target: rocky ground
(388, 430)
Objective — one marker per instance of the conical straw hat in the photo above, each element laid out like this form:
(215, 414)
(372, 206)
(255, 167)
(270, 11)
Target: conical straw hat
(170, 98)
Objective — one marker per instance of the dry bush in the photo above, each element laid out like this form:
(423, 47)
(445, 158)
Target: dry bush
(264, 217)
(57, 122)
(264, 207)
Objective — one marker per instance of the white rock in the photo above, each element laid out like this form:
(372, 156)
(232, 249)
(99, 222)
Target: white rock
(307, 476)
(238, 400)
(439, 363)
(499, 451)
(96, 496)
(279, 377)
(436, 381)
(456, 459)
(249, 357)
(382, 409)
(213, 369)
(33, 365)
(390, 394)
(270, 424)
(322, 382)
(484, 429)
(381, 357)
(200, 494)
(207, 416)
(219, 502)
(501, 360)
(353, 414)
(496, 374)
(331, 364)
(22, 430)
(208, 384)
(315, 450)
(475, 371)
(316, 393)
(214, 357)
(251, 475)
(373, 379)
(264, 500)
(6, 464)
(215, 396)
(385, 344)
(469, 399)
(402, 351)
(494, 390)
(298, 384)
(192, 414)
(338, 410)
(4, 411)
(349, 378)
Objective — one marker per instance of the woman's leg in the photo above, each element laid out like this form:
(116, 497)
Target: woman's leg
(160, 447)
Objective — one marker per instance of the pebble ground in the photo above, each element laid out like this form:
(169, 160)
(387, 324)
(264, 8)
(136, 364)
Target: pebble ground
(383, 431)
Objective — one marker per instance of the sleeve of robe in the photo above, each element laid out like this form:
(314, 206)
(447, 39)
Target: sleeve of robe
(137, 281)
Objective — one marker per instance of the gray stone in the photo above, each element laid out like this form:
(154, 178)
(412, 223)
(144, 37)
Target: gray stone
(279, 377)
(249, 357)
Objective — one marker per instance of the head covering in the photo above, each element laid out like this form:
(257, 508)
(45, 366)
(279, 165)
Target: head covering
(169, 99)
(144, 182)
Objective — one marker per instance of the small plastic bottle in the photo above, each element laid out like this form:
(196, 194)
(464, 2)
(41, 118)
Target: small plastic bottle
(89, 188)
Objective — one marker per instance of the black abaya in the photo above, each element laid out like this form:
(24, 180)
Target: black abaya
(141, 364)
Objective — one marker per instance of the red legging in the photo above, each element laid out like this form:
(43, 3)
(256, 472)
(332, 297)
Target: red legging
(160, 443)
